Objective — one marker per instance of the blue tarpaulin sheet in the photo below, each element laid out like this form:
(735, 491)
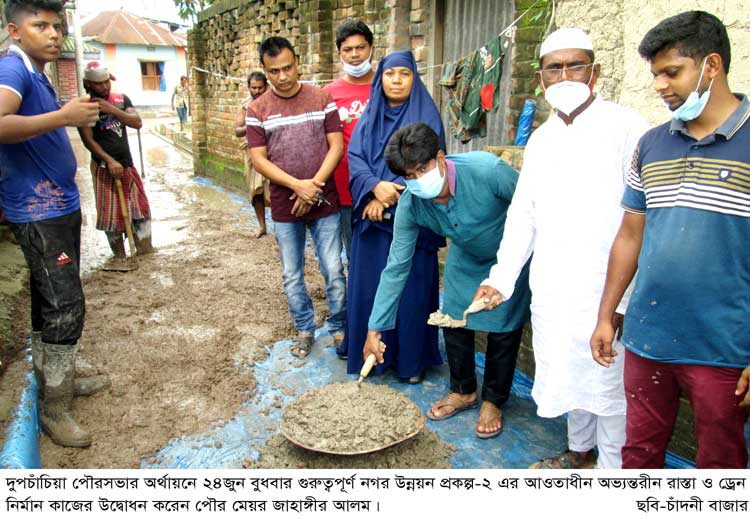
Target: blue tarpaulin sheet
(21, 448)
(282, 378)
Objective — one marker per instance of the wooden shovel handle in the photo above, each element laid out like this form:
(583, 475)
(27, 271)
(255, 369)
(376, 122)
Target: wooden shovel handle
(125, 215)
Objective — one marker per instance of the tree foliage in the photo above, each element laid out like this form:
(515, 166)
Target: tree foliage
(191, 8)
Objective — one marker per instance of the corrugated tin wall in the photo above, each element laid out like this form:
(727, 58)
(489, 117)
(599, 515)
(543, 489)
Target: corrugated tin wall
(467, 25)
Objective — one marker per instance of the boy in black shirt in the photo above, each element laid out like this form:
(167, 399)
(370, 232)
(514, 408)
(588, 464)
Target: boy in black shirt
(108, 143)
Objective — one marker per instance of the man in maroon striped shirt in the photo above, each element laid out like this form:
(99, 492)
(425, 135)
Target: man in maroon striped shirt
(294, 137)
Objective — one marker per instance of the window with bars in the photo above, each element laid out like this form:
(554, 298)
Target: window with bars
(151, 72)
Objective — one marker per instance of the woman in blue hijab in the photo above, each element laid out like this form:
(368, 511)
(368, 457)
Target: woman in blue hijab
(397, 98)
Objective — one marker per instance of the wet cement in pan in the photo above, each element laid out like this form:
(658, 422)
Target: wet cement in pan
(350, 418)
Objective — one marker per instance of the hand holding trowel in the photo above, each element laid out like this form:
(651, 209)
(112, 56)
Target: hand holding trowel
(486, 298)
(369, 363)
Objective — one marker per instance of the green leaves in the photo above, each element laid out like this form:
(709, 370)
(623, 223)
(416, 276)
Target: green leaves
(191, 8)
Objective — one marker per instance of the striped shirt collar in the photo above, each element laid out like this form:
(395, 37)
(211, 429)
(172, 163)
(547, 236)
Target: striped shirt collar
(728, 128)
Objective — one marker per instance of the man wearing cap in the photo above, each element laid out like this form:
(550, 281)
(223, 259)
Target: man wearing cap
(566, 212)
(108, 143)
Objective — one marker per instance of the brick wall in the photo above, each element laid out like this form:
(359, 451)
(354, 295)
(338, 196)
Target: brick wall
(529, 34)
(227, 35)
(67, 81)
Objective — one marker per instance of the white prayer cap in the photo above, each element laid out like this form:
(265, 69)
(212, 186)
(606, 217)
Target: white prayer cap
(96, 73)
(566, 38)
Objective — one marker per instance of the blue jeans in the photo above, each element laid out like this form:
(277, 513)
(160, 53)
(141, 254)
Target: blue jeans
(327, 239)
(182, 113)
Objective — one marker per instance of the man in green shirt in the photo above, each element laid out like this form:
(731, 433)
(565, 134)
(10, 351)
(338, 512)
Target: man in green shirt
(465, 198)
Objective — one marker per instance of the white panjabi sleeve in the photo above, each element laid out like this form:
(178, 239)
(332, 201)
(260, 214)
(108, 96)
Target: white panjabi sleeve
(519, 234)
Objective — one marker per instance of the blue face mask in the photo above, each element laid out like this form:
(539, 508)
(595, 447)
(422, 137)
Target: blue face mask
(695, 103)
(428, 185)
(358, 70)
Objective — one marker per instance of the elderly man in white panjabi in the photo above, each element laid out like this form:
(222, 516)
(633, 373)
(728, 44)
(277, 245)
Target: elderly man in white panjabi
(566, 211)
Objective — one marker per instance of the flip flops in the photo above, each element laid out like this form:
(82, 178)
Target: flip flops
(457, 403)
(489, 434)
(452, 400)
(301, 346)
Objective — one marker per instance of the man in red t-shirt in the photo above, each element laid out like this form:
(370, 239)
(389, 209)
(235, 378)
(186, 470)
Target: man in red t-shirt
(351, 92)
(294, 139)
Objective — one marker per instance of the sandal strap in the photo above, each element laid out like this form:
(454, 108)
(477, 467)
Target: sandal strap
(493, 414)
(453, 400)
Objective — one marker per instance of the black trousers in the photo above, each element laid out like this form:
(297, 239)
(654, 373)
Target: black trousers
(52, 249)
(500, 363)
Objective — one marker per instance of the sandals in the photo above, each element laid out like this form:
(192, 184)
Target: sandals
(485, 435)
(452, 400)
(567, 460)
(301, 346)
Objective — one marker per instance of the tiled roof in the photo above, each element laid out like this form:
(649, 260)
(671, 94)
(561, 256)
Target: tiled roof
(123, 27)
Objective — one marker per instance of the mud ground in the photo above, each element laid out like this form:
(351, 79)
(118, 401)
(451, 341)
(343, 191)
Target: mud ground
(169, 336)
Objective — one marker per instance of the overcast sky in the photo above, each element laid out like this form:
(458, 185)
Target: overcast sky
(157, 9)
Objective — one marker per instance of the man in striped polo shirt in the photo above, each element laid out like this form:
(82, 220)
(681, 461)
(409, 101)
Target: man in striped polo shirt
(686, 229)
(294, 137)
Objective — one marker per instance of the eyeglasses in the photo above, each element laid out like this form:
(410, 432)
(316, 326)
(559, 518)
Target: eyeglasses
(554, 73)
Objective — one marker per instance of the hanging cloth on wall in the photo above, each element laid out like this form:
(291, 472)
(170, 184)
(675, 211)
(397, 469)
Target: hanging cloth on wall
(472, 85)
(163, 81)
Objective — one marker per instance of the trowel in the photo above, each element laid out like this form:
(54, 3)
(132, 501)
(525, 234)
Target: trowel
(367, 366)
(438, 318)
(474, 307)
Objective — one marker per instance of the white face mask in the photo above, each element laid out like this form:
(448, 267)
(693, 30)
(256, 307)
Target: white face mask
(566, 96)
(358, 70)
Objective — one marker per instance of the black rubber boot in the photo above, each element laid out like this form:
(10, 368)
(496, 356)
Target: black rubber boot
(37, 358)
(87, 378)
(87, 386)
(55, 411)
